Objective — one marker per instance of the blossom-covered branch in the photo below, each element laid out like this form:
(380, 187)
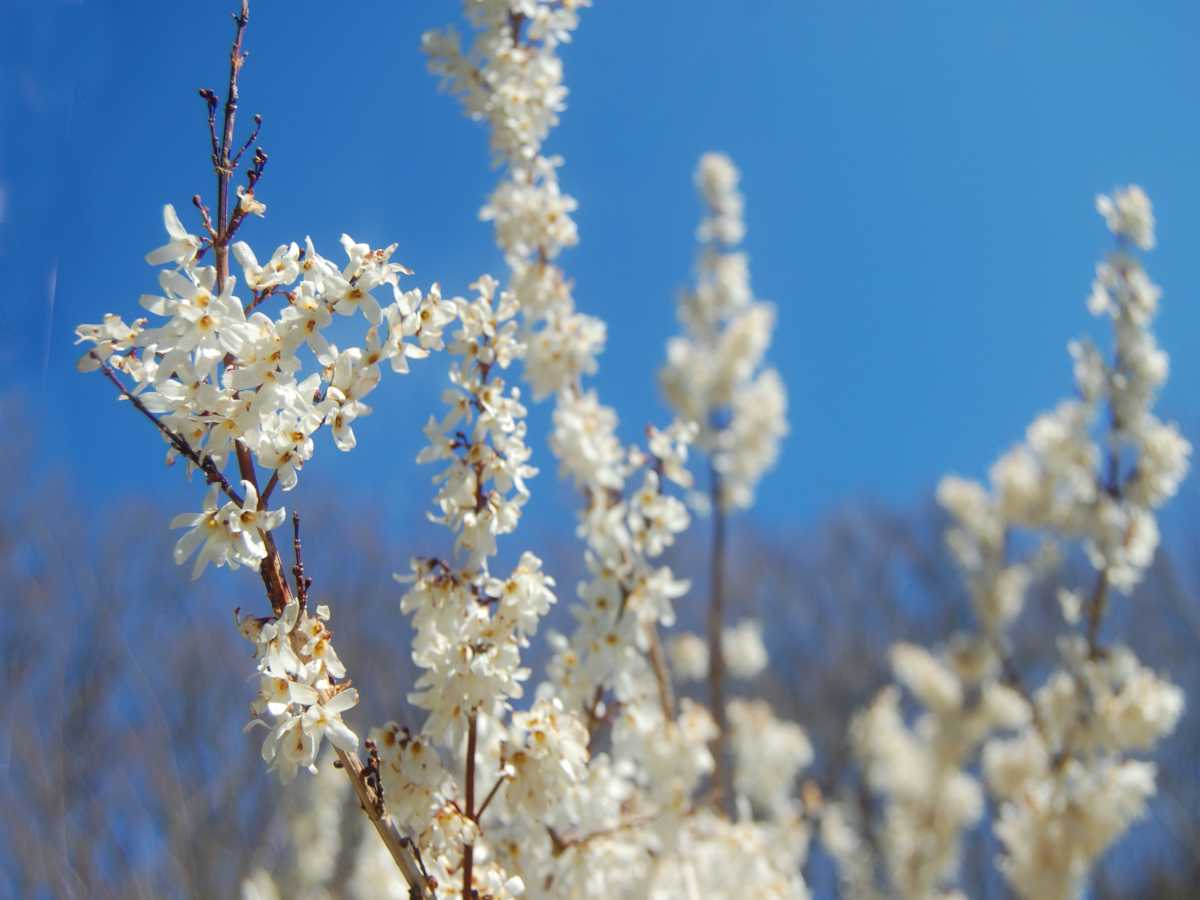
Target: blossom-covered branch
(1058, 759)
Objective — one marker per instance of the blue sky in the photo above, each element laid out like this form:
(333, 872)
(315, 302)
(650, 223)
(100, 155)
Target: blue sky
(919, 181)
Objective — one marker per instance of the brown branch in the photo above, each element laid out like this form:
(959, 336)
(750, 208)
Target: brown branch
(397, 845)
(203, 463)
(271, 568)
(468, 891)
(559, 844)
(268, 490)
(593, 715)
(246, 463)
(515, 21)
(259, 297)
(716, 653)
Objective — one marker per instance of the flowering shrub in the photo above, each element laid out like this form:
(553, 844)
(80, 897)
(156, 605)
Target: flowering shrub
(596, 779)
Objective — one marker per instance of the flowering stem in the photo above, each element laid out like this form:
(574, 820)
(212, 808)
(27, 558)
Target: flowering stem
(220, 232)
(716, 656)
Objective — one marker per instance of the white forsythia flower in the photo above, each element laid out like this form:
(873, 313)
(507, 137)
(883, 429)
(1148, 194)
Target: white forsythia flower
(229, 535)
(1128, 215)
(550, 757)
(182, 247)
(300, 688)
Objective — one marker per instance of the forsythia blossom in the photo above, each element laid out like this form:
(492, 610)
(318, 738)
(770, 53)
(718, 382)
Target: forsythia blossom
(301, 688)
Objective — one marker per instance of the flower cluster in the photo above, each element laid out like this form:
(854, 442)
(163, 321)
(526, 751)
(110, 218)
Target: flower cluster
(302, 688)
(227, 378)
(223, 378)
(471, 625)
(713, 375)
(511, 77)
(230, 534)
(1067, 788)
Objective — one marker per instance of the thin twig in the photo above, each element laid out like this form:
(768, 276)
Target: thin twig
(259, 298)
(223, 165)
(593, 715)
(198, 202)
(716, 653)
(250, 140)
(211, 101)
(203, 463)
(1097, 604)
(252, 176)
(488, 799)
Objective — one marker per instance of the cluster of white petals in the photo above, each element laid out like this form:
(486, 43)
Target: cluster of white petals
(230, 534)
(511, 77)
(302, 688)
(227, 376)
(714, 373)
(770, 753)
(1058, 759)
(1067, 786)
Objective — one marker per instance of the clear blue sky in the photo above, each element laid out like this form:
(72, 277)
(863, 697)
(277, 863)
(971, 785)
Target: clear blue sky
(919, 181)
